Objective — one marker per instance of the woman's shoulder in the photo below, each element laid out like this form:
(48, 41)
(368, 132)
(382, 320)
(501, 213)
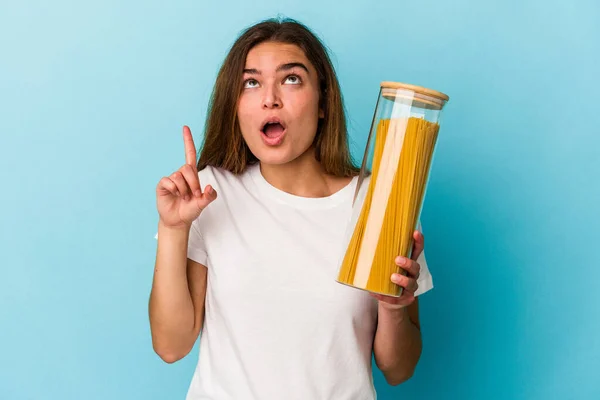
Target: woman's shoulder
(220, 177)
(232, 192)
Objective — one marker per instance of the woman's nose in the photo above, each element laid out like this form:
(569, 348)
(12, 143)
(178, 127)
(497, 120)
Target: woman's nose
(272, 98)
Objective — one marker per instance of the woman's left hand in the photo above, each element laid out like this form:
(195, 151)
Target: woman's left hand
(408, 282)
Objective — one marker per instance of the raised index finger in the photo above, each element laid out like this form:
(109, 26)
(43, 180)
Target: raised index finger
(190, 148)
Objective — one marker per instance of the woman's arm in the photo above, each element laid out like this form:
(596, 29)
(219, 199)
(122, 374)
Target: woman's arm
(176, 305)
(397, 346)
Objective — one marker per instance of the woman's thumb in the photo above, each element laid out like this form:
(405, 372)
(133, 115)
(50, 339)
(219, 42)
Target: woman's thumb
(207, 197)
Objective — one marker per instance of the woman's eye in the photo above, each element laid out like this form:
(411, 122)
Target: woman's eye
(293, 79)
(250, 83)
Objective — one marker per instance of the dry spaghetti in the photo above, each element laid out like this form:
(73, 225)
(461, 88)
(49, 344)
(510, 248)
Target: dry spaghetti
(389, 213)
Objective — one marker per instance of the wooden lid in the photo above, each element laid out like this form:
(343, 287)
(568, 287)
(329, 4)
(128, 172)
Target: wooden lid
(423, 97)
(418, 89)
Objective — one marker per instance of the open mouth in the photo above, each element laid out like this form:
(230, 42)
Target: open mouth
(273, 129)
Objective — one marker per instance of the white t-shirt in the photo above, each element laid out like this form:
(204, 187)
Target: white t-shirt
(277, 325)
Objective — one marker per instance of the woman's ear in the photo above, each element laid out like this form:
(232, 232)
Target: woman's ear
(321, 113)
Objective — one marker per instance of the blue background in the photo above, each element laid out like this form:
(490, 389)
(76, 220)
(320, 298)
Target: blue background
(93, 96)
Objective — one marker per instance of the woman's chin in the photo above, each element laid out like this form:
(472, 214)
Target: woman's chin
(273, 157)
(276, 155)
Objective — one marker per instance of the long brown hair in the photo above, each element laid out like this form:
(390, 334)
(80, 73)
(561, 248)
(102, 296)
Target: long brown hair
(223, 145)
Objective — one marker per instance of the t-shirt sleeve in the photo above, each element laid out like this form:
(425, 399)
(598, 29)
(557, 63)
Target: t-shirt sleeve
(196, 246)
(425, 280)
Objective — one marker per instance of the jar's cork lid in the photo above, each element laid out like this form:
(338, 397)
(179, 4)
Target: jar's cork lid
(420, 96)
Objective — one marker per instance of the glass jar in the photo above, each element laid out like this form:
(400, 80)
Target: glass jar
(391, 186)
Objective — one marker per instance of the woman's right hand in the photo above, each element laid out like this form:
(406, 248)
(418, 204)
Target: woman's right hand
(179, 197)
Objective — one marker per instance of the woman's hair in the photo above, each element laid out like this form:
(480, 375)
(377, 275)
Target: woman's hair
(223, 145)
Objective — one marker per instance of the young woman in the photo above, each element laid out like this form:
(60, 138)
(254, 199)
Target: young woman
(252, 270)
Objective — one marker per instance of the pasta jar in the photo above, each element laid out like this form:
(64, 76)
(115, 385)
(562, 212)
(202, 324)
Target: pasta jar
(391, 186)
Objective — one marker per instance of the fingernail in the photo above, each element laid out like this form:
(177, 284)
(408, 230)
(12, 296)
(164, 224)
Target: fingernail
(401, 260)
(197, 193)
(396, 278)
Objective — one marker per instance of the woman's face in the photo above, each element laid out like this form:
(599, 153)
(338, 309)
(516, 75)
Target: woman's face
(278, 109)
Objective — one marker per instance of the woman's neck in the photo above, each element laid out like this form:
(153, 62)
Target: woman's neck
(302, 177)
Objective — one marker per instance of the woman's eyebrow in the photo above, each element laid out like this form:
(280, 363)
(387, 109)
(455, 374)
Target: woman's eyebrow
(288, 66)
(282, 67)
